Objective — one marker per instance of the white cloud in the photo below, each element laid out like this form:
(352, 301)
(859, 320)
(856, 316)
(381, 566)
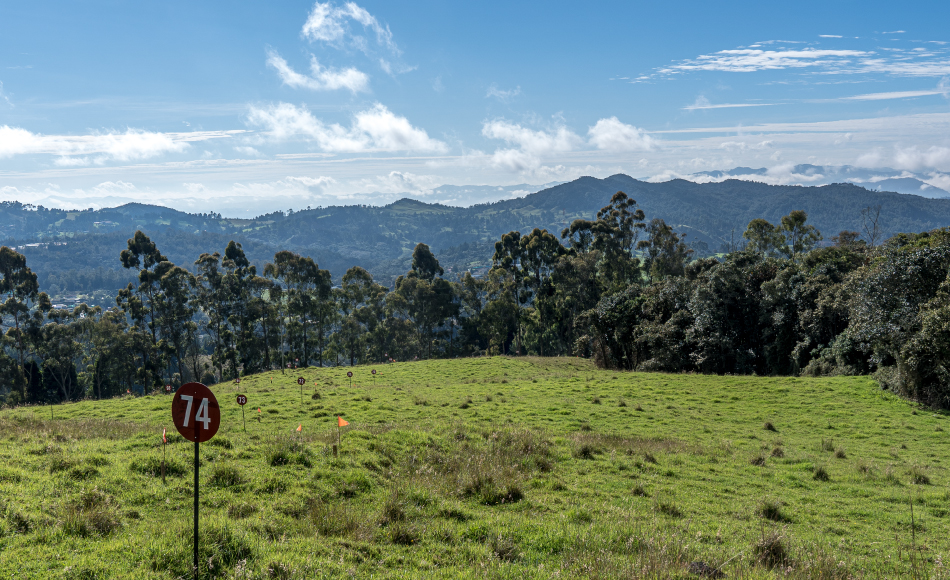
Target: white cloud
(898, 95)
(114, 187)
(941, 180)
(915, 159)
(329, 23)
(503, 96)
(322, 79)
(129, 146)
(191, 187)
(893, 61)
(532, 145)
(404, 181)
(908, 158)
(829, 36)
(895, 32)
(702, 103)
(749, 60)
(308, 182)
(743, 146)
(4, 96)
(535, 142)
(613, 135)
(248, 151)
(67, 161)
(375, 129)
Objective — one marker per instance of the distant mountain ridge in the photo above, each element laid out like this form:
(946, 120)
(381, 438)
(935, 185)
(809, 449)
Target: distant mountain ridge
(875, 179)
(381, 239)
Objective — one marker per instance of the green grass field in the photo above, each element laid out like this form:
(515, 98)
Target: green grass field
(487, 468)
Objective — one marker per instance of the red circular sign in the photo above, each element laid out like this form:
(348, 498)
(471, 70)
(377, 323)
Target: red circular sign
(237, 381)
(195, 412)
(374, 371)
(241, 400)
(349, 374)
(301, 381)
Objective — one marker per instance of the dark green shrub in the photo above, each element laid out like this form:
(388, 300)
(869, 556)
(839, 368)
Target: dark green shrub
(91, 513)
(225, 476)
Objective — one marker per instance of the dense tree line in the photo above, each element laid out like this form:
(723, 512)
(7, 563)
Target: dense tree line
(623, 290)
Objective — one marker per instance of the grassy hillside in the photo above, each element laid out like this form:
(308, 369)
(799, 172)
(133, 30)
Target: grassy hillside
(497, 468)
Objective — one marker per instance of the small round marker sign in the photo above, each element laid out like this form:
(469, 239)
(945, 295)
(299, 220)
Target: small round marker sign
(197, 417)
(241, 400)
(301, 381)
(374, 371)
(195, 412)
(349, 374)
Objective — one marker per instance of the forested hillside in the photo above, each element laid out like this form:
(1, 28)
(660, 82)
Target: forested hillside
(380, 239)
(621, 288)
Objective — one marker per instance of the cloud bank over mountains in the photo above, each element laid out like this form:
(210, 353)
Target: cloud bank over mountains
(336, 121)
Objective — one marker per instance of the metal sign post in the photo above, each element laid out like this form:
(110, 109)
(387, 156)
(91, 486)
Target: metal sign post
(374, 377)
(242, 400)
(350, 375)
(301, 381)
(197, 417)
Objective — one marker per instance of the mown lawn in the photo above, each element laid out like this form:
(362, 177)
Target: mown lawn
(499, 468)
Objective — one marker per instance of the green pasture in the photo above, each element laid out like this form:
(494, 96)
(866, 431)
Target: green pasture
(486, 468)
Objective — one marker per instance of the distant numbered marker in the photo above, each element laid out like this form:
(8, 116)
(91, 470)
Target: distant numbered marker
(374, 371)
(349, 374)
(301, 381)
(195, 412)
(241, 400)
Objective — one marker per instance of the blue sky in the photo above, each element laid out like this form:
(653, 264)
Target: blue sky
(254, 106)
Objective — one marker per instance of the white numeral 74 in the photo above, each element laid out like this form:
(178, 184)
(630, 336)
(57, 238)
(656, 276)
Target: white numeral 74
(202, 408)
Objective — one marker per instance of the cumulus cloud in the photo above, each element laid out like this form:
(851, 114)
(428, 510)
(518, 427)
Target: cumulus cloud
(375, 129)
(404, 181)
(532, 145)
(321, 79)
(613, 135)
(915, 159)
(320, 182)
(331, 24)
(132, 145)
(114, 187)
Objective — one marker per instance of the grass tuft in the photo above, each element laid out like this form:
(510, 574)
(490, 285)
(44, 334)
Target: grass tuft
(771, 550)
(771, 509)
(225, 476)
(918, 475)
(91, 513)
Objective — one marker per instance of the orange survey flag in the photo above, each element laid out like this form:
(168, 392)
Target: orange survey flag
(164, 439)
(340, 422)
(300, 427)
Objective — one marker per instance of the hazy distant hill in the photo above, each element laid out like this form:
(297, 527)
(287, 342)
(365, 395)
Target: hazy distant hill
(381, 238)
